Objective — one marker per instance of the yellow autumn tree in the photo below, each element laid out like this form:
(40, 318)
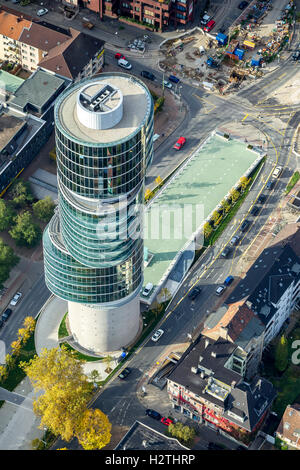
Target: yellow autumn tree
(65, 388)
(94, 430)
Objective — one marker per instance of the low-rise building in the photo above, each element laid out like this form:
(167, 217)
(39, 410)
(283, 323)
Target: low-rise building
(289, 427)
(205, 387)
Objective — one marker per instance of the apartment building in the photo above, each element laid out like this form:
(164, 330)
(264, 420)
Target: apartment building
(271, 288)
(32, 43)
(238, 324)
(205, 387)
(289, 427)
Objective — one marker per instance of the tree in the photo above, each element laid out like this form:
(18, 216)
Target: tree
(157, 308)
(66, 389)
(25, 232)
(281, 354)
(244, 181)
(21, 194)
(165, 294)
(225, 206)
(207, 229)
(7, 215)
(181, 432)
(234, 194)
(44, 209)
(108, 361)
(7, 255)
(216, 217)
(94, 430)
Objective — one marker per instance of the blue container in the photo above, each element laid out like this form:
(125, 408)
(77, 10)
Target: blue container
(222, 38)
(255, 61)
(239, 52)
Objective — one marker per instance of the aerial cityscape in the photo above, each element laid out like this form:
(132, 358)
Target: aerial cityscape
(150, 227)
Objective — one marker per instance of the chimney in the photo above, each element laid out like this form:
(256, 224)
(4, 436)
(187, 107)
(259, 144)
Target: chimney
(213, 354)
(249, 304)
(206, 343)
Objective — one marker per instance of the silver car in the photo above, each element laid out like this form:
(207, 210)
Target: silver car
(15, 299)
(158, 334)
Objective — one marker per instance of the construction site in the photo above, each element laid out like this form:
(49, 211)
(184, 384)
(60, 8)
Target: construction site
(222, 62)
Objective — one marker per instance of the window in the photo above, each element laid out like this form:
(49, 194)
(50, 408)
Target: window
(148, 12)
(181, 8)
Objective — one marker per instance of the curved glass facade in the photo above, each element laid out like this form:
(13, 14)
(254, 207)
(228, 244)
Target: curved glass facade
(93, 246)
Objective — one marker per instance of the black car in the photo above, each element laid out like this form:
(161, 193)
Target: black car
(6, 314)
(254, 210)
(270, 184)
(148, 75)
(226, 252)
(243, 5)
(153, 414)
(194, 293)
(261, 199)
(1, 323)
(296, 55)
(214, 446)
(245, 225)
(125, 372)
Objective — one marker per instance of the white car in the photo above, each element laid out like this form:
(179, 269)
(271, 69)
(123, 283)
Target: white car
(205, 19)
(220, 290)
(15, 299)
(277, 172)
(158, 334)
(125, 64)
(42, 11)
(167, 84)
(147, 289)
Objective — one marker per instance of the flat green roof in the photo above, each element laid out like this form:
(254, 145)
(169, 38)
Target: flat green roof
(10, 82)
(207, 177)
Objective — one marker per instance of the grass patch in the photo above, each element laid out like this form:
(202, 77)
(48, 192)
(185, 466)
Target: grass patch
(62, 331)
(78, 355)
(16, 374)
(294, 179)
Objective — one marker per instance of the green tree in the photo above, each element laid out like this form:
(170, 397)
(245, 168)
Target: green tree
(207, 229)
(234, 194)
(25, 232)
(7, 215)
(281, 354)
(21, 194)
(44, 209)
(7, 260)
(225, 206)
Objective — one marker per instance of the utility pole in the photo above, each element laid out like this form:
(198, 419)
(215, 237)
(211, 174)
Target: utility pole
(163, 84)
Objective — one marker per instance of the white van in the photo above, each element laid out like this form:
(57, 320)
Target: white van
(277, 172)
(125, 64)
(147, 289)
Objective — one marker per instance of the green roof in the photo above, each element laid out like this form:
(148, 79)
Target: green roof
(10, 82)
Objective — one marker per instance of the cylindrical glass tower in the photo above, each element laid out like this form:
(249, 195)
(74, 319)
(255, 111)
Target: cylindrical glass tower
(93, 246)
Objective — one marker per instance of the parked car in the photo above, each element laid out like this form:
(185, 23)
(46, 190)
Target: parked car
(194, 293)
(158, 334)
(15, 299)
(245, 225)
(147, 289)
(166, 421)
(149, 75)
(210, 25)
(254, 210)
(174, 79)
(125, 372)
(42, 12)
(153, 414)
(205, 19)
(277, 172)
(1, 323)
(220, 290)
(119, 56)
(243, 5)
(226, 252)
(296, 55)
(261, 199)
(228, 280)
(270, 184)
(234, 240)
(124, 64)
(6, 314)
(180, 143)
(167, 84)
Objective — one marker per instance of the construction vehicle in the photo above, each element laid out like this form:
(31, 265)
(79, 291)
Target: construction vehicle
(212, 63)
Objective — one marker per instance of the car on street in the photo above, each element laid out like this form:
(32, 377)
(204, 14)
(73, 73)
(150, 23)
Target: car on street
(15, 299)
(277, 172)
(153, 414)
(42, 12)
(6, 314)
(125, 372)
(180, 143)
(226, 252)
(261, 199)
(296, 55)
(220, 290)
(147, 289)
(234, 240)
(119, 56)
(245, 225)
(254, 210)
(124, 64)
(210, 25)
(166, 421)
(194, 293)
(228, 280)
(270, 184)
(167, 84)
(174, 79)
(243, 5)
(149, 75)
(205, 19)
(158, 334)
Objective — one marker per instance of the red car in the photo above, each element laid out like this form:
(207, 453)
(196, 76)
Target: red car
(209, 26)
(180, 143)
(119, 56)
(166, 421)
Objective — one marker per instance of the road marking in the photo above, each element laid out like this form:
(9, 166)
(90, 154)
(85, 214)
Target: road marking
(245, 117)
